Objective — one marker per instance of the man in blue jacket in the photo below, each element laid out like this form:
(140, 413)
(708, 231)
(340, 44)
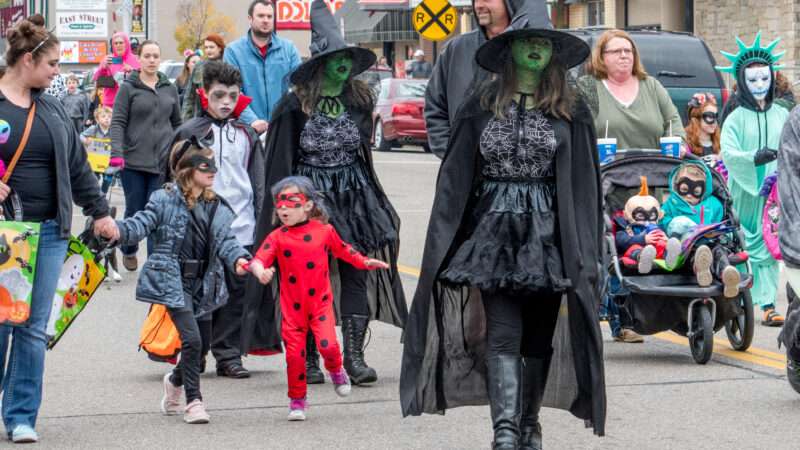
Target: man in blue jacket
(265, 62)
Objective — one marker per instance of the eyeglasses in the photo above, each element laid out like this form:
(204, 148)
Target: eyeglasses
(619, 51)
(710, 117)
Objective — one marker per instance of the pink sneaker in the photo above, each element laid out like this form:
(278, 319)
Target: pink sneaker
(195, 412)
(297, 410)
(171, 402)
(341, 382)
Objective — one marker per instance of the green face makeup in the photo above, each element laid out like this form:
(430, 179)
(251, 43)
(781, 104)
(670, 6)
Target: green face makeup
(338, 67)
(532, 53)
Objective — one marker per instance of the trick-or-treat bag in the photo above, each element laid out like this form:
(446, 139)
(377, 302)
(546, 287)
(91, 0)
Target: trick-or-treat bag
(19, 242)
(80, 277)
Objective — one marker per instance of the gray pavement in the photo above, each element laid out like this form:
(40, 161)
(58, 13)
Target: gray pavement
(101, 393)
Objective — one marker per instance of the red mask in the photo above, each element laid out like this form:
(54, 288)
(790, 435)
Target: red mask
(296, 200)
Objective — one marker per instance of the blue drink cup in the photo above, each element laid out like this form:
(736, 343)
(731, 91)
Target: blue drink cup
(671, 146)
(606, 149)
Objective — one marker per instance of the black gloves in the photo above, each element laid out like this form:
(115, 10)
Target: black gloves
(765, 155)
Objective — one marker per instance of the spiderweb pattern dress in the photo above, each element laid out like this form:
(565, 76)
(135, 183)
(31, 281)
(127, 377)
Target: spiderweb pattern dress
(330, 157)
(509, 241)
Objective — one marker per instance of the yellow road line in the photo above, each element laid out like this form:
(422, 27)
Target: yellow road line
(749, 356)
(753, 355)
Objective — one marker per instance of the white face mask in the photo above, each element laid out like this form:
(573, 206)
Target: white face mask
(758, 80)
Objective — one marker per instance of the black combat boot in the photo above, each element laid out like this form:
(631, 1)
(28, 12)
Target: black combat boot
(353, 330)
(314, 374)
(534, 379)
(504, 372)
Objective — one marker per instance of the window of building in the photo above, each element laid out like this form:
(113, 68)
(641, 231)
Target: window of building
(595, 10)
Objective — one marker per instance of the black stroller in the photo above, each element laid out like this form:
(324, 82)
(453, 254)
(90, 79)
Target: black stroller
(673, 301)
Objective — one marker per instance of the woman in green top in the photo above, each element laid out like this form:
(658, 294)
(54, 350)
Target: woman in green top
(635, 106)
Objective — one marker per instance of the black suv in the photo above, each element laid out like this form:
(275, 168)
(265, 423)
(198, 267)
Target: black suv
(681, 61)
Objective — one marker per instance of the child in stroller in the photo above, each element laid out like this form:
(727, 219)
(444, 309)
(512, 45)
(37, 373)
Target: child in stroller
(689, 206)
(671, 298)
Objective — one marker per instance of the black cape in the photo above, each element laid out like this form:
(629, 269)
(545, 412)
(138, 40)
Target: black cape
(385, 293)
(264, 338)
(444, 354)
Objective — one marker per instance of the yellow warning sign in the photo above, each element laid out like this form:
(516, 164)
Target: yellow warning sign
(435, 19)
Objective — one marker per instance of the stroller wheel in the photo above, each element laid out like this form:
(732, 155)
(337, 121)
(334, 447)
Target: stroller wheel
(701, 341)
(740, 328)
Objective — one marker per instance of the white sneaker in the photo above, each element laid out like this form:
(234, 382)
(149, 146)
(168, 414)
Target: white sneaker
(341, 382)
(297, 410)
(171, 401)
(646, 257)
(115, 275)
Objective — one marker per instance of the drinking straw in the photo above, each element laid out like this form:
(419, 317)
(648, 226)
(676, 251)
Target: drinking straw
(606, 129)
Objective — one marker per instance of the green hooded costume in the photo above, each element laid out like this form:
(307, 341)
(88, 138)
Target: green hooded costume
(675, 206)
(746, 130)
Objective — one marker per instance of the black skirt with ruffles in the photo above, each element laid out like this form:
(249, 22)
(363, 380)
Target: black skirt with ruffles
(510, 242)
(356, 210)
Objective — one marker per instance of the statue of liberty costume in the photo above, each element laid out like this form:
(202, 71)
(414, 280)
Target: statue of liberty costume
(750, 139)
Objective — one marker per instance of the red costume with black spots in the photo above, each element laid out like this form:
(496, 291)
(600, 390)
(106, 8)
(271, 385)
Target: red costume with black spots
(305, 292)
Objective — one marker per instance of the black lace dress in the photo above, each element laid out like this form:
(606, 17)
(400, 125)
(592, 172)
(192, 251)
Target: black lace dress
(509, 240)
(329, 156)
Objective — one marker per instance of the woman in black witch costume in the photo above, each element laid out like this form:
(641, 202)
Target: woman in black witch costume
(322, 130)
(515, 232)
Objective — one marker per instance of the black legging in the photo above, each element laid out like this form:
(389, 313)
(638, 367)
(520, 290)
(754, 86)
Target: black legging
(521, 324)
(354, 290)
(195, 340)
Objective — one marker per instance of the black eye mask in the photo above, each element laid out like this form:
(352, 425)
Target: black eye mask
(693, 188)
(645, 215)
(198, 160)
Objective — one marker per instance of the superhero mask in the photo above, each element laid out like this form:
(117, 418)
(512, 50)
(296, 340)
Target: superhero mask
(643, 209)
(690, 183)
(294, 200)
(203, 164)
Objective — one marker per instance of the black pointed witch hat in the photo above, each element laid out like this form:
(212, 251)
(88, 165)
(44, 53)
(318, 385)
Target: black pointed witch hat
(326, 40)
(531, 20)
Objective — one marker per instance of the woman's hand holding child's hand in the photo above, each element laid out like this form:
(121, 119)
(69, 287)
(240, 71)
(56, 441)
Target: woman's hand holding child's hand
(374, 264)
(240, 266)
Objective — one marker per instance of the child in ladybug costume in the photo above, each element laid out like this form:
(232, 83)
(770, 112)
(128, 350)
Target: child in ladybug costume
(301, 247)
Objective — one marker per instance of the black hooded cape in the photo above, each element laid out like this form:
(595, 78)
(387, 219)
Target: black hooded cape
(444, 355)
(385, 293)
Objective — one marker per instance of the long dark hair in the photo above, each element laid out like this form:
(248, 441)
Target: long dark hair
(355, 92)
(553, 95)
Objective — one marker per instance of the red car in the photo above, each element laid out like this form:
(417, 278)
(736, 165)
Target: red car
(398, 115)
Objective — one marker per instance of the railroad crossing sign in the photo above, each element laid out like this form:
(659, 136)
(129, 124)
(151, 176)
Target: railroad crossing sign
(435, 19)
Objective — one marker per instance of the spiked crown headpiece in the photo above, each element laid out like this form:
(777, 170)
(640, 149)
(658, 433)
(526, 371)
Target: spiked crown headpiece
(752, 54)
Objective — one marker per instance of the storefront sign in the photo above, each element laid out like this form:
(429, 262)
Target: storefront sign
(81, 5)
(294, 14)
(10, 15)
(83, 52)
(81, 24)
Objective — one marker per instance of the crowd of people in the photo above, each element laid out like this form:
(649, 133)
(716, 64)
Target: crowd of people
(514, 250)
